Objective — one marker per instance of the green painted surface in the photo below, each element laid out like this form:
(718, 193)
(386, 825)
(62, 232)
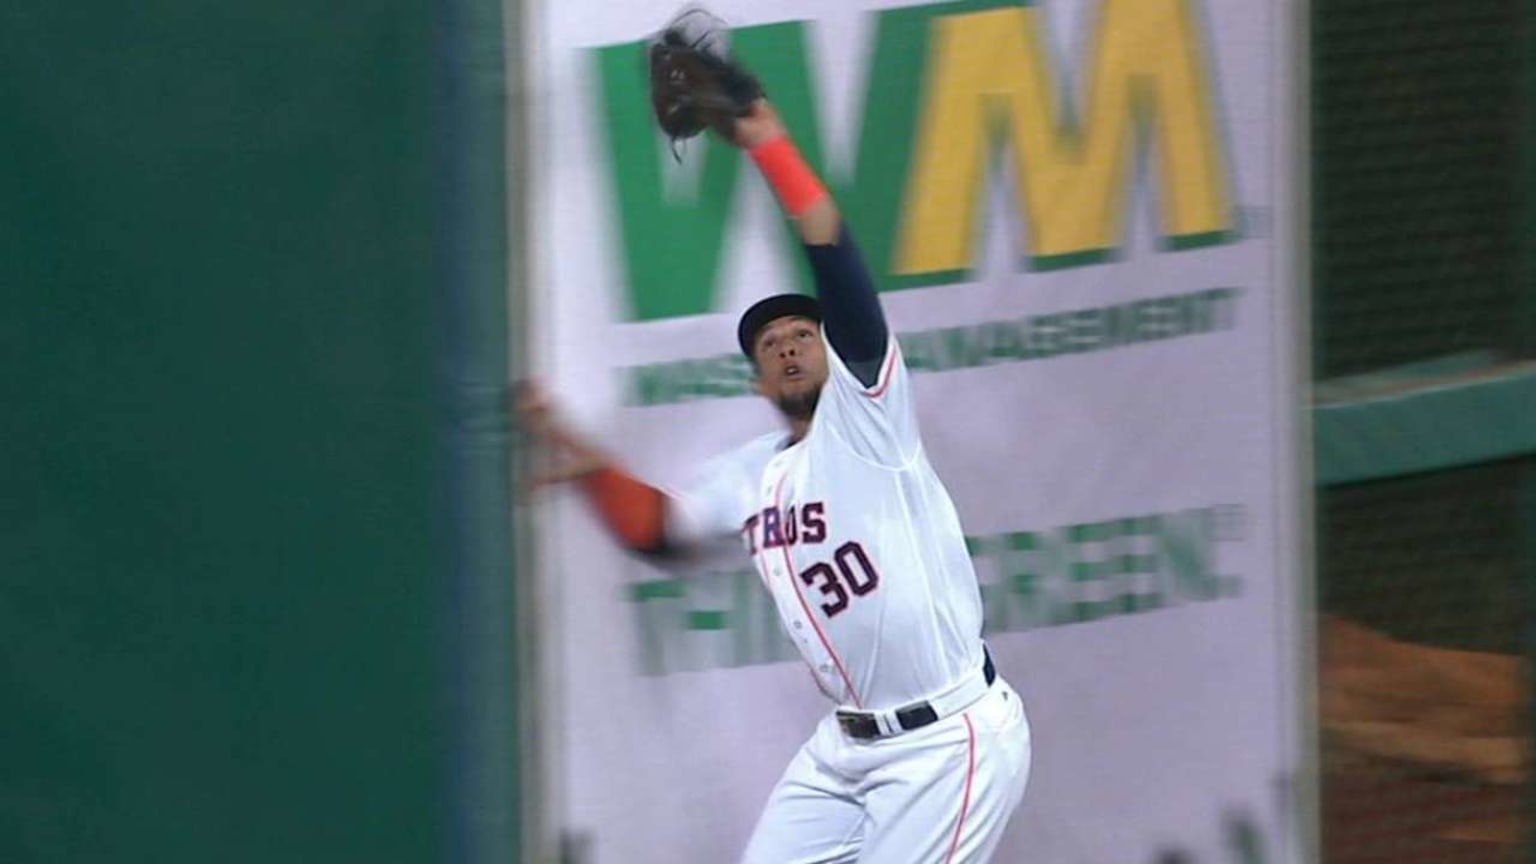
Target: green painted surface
(219, 566)
(1392, 425)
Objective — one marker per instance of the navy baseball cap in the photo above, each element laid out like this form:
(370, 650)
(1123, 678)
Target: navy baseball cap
(770, 309)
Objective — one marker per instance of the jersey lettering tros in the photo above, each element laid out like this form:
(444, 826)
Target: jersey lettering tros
(857, 540)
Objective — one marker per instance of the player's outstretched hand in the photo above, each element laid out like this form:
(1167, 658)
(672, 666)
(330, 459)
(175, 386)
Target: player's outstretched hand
(562, 453)
(695, 83)
(758, 127)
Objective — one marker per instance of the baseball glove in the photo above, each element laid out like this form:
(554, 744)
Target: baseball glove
(694, 83)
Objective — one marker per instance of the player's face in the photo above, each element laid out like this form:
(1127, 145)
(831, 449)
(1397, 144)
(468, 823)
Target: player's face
(791, 364)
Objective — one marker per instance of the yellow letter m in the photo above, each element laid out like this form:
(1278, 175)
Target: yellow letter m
(991, 79)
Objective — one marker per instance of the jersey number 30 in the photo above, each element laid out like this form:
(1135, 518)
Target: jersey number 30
(853, 572)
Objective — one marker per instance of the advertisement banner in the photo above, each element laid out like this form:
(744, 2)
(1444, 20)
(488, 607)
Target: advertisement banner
(1076, 212)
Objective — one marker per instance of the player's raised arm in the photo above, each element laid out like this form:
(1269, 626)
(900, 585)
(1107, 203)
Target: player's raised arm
(851, 312)
(696, 86)
(761, 133)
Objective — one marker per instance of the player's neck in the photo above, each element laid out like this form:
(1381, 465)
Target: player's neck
(798, 414)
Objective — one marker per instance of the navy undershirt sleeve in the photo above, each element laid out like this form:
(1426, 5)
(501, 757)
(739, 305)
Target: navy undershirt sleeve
(850, 308)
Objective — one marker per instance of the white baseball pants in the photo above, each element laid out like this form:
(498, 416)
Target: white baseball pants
(941, 794)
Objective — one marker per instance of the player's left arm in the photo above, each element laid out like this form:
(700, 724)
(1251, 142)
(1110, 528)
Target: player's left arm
(852, 317)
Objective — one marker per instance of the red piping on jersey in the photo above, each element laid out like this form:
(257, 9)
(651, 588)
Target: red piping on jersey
(965, 802)
(794, 582)
(885, 377)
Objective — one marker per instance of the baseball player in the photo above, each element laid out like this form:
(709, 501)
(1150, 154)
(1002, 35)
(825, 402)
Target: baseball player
(927, 751)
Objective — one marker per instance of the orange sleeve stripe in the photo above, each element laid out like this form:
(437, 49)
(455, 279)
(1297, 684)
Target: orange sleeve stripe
(634, 511)
(792, 180)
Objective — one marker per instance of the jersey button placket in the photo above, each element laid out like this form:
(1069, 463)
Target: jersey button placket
(802, 636)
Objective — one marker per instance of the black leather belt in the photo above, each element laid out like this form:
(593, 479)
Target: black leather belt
(861, 724)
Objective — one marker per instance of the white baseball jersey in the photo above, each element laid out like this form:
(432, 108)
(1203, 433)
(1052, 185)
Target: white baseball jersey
(856, 538)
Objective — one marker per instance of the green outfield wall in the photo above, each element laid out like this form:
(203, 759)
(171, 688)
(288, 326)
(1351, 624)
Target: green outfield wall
(251, 433)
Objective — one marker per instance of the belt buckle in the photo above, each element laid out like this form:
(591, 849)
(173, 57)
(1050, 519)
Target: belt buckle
(861, 726)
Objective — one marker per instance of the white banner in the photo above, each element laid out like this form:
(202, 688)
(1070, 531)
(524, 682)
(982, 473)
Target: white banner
(1076, 210)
